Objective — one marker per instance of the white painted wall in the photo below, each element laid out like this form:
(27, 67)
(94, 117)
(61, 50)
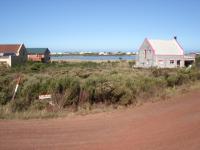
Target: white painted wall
(6, 60)
(166, 61)
(148, 60)
(152, 60)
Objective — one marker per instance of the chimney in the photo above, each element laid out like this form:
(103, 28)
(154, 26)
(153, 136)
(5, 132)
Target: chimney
(175, 38)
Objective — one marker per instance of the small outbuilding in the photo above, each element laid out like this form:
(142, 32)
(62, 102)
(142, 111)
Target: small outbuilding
(161, 54)
(38, 54)
(12, 54)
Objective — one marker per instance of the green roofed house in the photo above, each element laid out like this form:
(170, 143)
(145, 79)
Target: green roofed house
(38, 54)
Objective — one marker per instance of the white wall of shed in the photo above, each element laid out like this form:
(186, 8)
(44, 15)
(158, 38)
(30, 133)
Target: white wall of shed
(7, 60)
(147, 61)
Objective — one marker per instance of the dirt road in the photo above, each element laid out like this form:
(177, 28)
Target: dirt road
(169, 125)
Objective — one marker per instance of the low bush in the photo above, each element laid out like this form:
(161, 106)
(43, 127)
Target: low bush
(194, 75)
(77, 84)
(19, 105)
(172, 80)
(5, 90)
(131, 63)
(197, 62)
(182, 78)
(39, 105)
(37, 66)
(3, 98)
(157, 72)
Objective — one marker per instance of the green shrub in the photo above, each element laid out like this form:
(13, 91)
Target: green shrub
(39, 105)
(74, 90)
(148, 86)
(37, 66)
(182, 78)
(133, 86)
(113, 72)
(66, 91)
(76, 84)
(172, 80)
(127, 98)
(194, 75)
(158, 72)
(131, 63)
(115, 63)
(19, 105)
(5, 90)
(3, 98)
(30, 89)
(102, 90)
(197, 62)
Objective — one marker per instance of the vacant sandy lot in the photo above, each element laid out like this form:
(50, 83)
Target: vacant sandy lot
(173, 124)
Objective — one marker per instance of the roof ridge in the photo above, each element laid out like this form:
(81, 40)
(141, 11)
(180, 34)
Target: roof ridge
(161, 40)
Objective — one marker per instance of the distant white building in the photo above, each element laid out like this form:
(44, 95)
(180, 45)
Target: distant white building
(103, 53)
(128, 53)
(82, 53)
(162, 54)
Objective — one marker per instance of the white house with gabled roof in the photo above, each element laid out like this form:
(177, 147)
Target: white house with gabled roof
(12, 54)
(161, 54)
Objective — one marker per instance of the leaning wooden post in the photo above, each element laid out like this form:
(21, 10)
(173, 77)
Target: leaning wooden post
(16, 88)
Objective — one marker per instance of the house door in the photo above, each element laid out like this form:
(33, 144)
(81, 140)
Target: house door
(178, 63)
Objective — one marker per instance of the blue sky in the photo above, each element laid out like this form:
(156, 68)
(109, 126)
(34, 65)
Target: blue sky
(98, 24)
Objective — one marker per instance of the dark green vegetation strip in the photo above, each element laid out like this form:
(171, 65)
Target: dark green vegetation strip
(72, 85)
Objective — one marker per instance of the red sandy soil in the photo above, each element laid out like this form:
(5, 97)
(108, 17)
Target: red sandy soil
(166, 125)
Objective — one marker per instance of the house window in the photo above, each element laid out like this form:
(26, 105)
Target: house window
(171, 61)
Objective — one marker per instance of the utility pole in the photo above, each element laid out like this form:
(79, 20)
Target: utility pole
(16, 88)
